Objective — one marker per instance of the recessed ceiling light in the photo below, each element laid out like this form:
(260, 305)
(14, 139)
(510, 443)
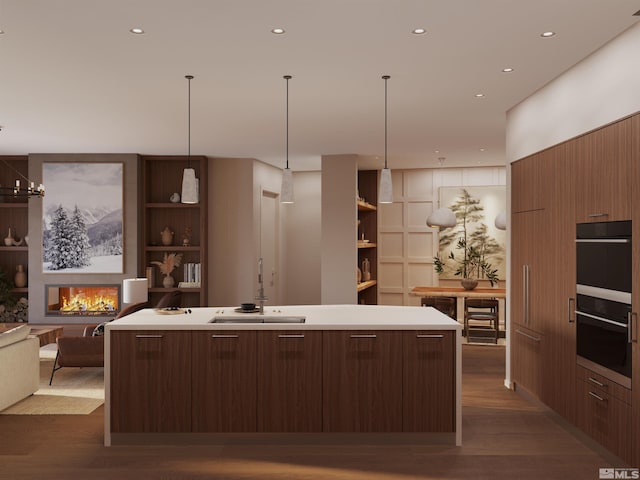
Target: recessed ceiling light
(507, 70)
(1, 31)
(419, 31)
(547, 34)
(436, 151)
(277, 30)
(482, 149)
(137, 31)
(479, 95)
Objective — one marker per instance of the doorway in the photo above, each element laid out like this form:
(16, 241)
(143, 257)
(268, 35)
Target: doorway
(270, 245)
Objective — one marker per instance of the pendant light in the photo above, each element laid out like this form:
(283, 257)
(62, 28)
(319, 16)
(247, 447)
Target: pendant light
(189, 180)
(442, 217)
(286, 190)
(385, 194)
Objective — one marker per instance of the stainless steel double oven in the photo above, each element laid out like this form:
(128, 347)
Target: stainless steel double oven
(603, 300)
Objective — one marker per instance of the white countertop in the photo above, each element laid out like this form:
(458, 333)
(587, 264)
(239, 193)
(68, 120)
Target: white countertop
(317, 317)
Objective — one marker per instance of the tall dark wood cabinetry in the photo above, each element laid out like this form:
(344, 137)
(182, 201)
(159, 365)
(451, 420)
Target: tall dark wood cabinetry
(635, 296)
(586, 179)
(161, 178)
(14, 215)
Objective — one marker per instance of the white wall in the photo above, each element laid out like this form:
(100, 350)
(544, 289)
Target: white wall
(302, 241)
(603, 87)
(231, 231)
(339, 229)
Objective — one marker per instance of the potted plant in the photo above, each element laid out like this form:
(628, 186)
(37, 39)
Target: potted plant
(475, 247)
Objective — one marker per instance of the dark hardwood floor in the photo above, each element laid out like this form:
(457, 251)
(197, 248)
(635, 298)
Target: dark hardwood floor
(504, 437)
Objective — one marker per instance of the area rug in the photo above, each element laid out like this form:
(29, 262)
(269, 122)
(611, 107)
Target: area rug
(75, 391)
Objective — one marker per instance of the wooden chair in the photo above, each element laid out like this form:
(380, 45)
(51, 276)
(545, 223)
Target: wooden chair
(481, 319)
(447, 305)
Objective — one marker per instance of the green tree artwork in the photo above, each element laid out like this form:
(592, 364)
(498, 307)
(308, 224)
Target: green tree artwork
(467, 250)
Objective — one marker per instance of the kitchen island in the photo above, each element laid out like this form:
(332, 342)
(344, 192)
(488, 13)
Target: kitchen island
(192, 375)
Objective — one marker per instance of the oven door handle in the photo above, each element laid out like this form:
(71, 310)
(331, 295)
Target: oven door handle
(601, 319)
(603, 240)
(632, 318)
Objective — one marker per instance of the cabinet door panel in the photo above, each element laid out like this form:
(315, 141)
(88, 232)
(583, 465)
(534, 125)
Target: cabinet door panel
(526, 359)
(428, 386)
(603, 162)
(362, 381)
(150, 391)
(531, 268)
(528, 182)
(605, 418)
(559, 359)
(224, 381)
(289, 381)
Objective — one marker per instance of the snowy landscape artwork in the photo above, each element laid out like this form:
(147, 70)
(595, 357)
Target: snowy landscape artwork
(82, 218)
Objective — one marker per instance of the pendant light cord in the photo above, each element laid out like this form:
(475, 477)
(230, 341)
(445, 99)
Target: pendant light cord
(385, 77)
(287, 78)
(189, 78)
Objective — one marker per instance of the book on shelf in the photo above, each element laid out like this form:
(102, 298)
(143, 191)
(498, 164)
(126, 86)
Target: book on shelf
(191, 273)
(188, 284)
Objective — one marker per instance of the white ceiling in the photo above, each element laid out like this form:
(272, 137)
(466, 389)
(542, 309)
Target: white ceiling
(73, 79)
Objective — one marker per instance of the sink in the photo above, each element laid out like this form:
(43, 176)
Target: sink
(258, 319)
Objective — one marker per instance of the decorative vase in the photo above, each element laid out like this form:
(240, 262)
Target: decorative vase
(8, 241)
(359, 275)
(20, 280)
(166, 236)
(168, 281)
(366, 270)
(26, 240)
(469, 283)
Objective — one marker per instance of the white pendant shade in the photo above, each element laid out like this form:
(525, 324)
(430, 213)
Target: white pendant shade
(134, 290)
(286, 190)
(189, 186)
(501, 221)
(385, 193)
(443, 217)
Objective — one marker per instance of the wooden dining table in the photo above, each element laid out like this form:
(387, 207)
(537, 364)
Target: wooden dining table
(461, 293)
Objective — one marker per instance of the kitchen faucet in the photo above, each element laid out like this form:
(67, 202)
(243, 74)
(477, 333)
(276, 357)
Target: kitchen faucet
(261, 298)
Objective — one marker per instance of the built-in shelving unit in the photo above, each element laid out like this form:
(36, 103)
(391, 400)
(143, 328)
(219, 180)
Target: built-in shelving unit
(366, 242)
(162, 177)
(14, 214)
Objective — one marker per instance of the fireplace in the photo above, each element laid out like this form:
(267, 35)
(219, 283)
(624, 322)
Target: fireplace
(82, 300)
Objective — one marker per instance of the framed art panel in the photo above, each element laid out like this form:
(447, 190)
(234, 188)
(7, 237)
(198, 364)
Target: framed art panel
(82, 218)
(476, 209)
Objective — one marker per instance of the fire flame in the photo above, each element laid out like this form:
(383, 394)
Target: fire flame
(88, 304)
